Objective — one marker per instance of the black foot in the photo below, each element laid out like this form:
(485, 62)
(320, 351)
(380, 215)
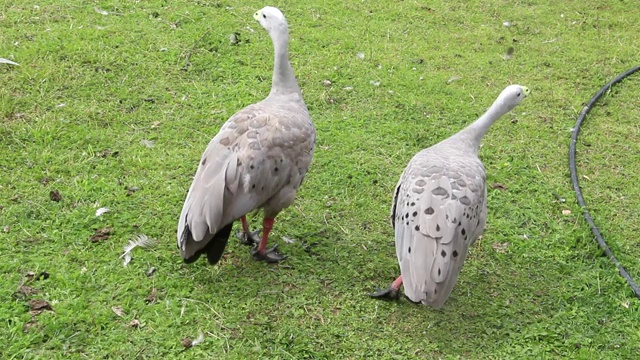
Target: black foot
(386, 294)
(250, 239)
(270, 255)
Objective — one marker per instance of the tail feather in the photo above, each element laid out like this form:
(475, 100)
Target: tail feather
(215, 247)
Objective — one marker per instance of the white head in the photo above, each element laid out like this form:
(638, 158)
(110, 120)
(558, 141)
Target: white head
(511, 96)
(271, 19)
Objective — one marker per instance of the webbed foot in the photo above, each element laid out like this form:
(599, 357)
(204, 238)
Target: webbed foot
(271, 256)
(249, 239)
(386, 294)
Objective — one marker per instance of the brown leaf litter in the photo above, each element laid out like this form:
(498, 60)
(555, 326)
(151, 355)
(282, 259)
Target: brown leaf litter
(100, 235)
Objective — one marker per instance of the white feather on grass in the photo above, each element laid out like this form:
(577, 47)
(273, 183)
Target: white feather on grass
(7, 61)
(141, 240)
(199, 340)
(101, 211)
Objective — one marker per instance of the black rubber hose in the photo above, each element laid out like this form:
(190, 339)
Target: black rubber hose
(576, 185)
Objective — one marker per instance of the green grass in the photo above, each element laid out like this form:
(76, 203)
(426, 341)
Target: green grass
(91, 87)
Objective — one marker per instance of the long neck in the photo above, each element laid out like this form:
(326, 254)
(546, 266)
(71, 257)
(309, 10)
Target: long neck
(284, 81)
(473, 134)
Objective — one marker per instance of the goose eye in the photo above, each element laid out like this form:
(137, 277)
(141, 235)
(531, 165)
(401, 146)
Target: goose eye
(518, 95)
(264, 16)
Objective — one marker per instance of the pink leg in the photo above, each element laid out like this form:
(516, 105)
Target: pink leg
(261, 252)
(391, 293)
(395, 285)
(267, 225)
(245, 226)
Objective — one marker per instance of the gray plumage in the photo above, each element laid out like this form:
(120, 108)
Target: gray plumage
(440, 207)
(258, 159)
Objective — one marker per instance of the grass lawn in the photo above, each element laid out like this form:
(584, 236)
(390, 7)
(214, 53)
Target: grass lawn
(115, 101)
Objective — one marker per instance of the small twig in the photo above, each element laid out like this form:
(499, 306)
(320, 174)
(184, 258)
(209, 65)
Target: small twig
(187, 63)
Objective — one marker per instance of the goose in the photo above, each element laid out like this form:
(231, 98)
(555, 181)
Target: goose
(440, 209)
(257, 160)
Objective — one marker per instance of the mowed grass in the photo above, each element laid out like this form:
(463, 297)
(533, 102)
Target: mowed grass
(94, 91)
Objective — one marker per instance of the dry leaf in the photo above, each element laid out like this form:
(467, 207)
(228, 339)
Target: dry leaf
(498, 186)
(152, 296)
(25, 292)
(566, 212)
(29, 325)
(151, 271)
(500, 247)
(509, 53)
(186, 342)
(100, 235)
(55, 195)
(118, 310)
(37, 306)
(135, 323)
(155, 124)
(625, 304)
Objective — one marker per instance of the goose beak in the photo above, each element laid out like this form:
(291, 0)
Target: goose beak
(257, 15)
(526, 91)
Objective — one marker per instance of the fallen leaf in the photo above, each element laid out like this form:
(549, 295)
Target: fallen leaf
(100, 235)
(25, 292)
(54, 195)
(151, 271)
(155, 124)
(625, 304)
(326, 82)
(500, 247)
(118, 310)
(135, 323)
(566, 212)
(45, 180)
(107, 152)
(498, 186)
(37, 306)
(6, 228)
(509, 53)
(152, 296)
(187, 343)
(29, 325)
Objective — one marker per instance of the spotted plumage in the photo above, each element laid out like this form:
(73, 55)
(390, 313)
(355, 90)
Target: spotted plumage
(258, 159)
(440, 208)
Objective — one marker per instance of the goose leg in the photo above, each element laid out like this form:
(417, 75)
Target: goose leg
(246, 236)
(260, 251)
(391, 293)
